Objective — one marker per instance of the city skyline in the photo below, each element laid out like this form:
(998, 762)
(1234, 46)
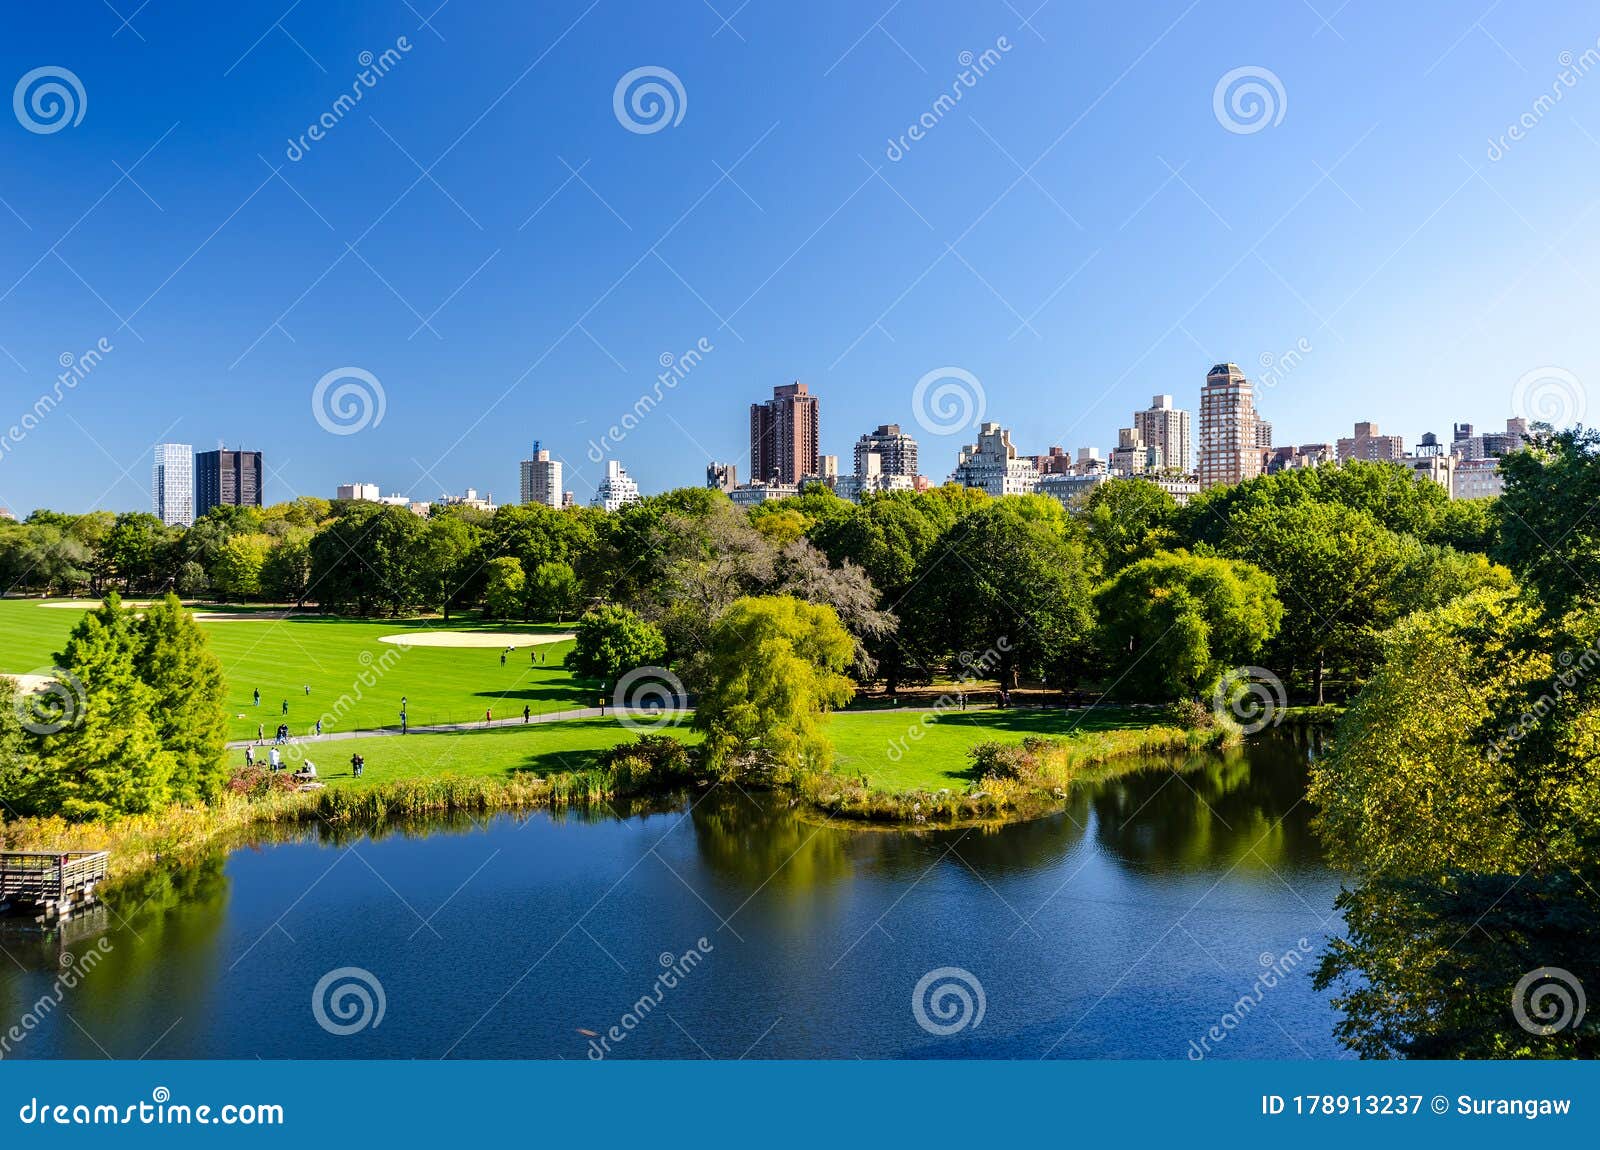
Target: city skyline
(550, 299)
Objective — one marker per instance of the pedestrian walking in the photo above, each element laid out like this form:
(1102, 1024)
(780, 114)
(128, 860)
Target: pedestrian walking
(527, 712)
(357, 765)
(319, 726)
(258, 696)
(308, 688)
(261, 732)
(488, 715)
(402, 722)
(285, 709)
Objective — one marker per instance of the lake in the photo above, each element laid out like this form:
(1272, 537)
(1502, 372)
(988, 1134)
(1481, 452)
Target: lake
(1153, 913)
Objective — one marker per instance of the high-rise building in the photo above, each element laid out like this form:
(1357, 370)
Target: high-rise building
(541, 478)
(1167, 427)
(357, 492)
(1263, 435)
(1133, 456)
(172, 484)
(1228, 451)
(722, 476)
(230, 478)
(1368, 443)
(617, 489)
(896, 452)
(1496, 443)
(992, 465)
(784, 432)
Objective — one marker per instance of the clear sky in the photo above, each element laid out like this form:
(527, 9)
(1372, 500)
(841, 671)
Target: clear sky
(484, 235)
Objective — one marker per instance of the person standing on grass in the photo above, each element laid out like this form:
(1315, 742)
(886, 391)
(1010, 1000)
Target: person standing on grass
(357, 765)
(261, 732)
(402, 721)
(308, 689)
(285, 710)
(502, 658)
(258, 696)
(274, 762)
(249, 757)
(533, 657)
(319, 727)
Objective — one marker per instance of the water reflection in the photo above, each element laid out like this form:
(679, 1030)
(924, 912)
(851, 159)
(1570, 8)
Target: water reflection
(503, 936)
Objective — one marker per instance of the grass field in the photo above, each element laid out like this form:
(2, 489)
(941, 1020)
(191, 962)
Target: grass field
(878, 745)
(907, 750)
(496, 753)
(352, 675)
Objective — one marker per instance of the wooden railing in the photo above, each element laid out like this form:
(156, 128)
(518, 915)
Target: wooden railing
(42, 876)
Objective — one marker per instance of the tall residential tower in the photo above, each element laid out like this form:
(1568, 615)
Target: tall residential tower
(784, 433)
(1228, 418)
(1167, 427)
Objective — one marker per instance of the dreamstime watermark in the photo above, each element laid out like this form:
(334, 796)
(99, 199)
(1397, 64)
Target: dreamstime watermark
(348, 400)
(1277, 968)
(1249, 698)
(73, 969)
(373, 69)
(674, 370)
(675, 968)
(652, 691)
(48, 99)
(1573, 68)
(1548, 1000)
(1276, 368)
(348, 999)
(50, 699)
(159, 1111)
(948, 400)
(948, 1000)
(1249, 99)
(972, 667)
(1550, 395)
(973, 69)
(77, 369)
(648, 99)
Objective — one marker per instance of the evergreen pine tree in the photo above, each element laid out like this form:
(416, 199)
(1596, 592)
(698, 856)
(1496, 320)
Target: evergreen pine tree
(186, 678)
(109, 760)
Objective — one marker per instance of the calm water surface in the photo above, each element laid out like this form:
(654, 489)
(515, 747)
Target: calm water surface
(1127, 925)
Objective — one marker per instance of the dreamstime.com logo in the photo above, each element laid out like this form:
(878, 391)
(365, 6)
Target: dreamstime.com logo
(1249, 99)
(48, 99)
(648, 99)
(948, 400)
(348, 400)
(948, 1000)
(1550, 395)
(1250, 698)
(648, 691)
(50, 699)
(1548, 1000)
(348, 999)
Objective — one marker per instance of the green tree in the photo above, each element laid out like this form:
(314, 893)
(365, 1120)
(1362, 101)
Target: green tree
(503, 592)
(369, 558)
(553, 592)
(286, 571)
(611, 641)
(236, 570)
(1127, 520)
(175, 662)
(19, 776)
(1549, 536)
(768, 677)
(1170, 625)
(1010, 580)
(1336, 571)
(109, 759)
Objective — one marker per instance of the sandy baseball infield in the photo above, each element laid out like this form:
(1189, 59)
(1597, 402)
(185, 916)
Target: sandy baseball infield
(473, 639)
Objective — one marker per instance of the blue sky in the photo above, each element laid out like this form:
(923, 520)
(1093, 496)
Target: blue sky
(1080, 232)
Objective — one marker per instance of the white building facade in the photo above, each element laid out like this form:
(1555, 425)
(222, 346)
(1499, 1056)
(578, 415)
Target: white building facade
(617, 489)
(172, 484)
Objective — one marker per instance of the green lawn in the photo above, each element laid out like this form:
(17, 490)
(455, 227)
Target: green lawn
(908, 750)
(497, 752)
(351, 673)
(863, 742)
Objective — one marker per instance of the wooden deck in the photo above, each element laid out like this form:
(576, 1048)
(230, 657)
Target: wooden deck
(50, 886)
